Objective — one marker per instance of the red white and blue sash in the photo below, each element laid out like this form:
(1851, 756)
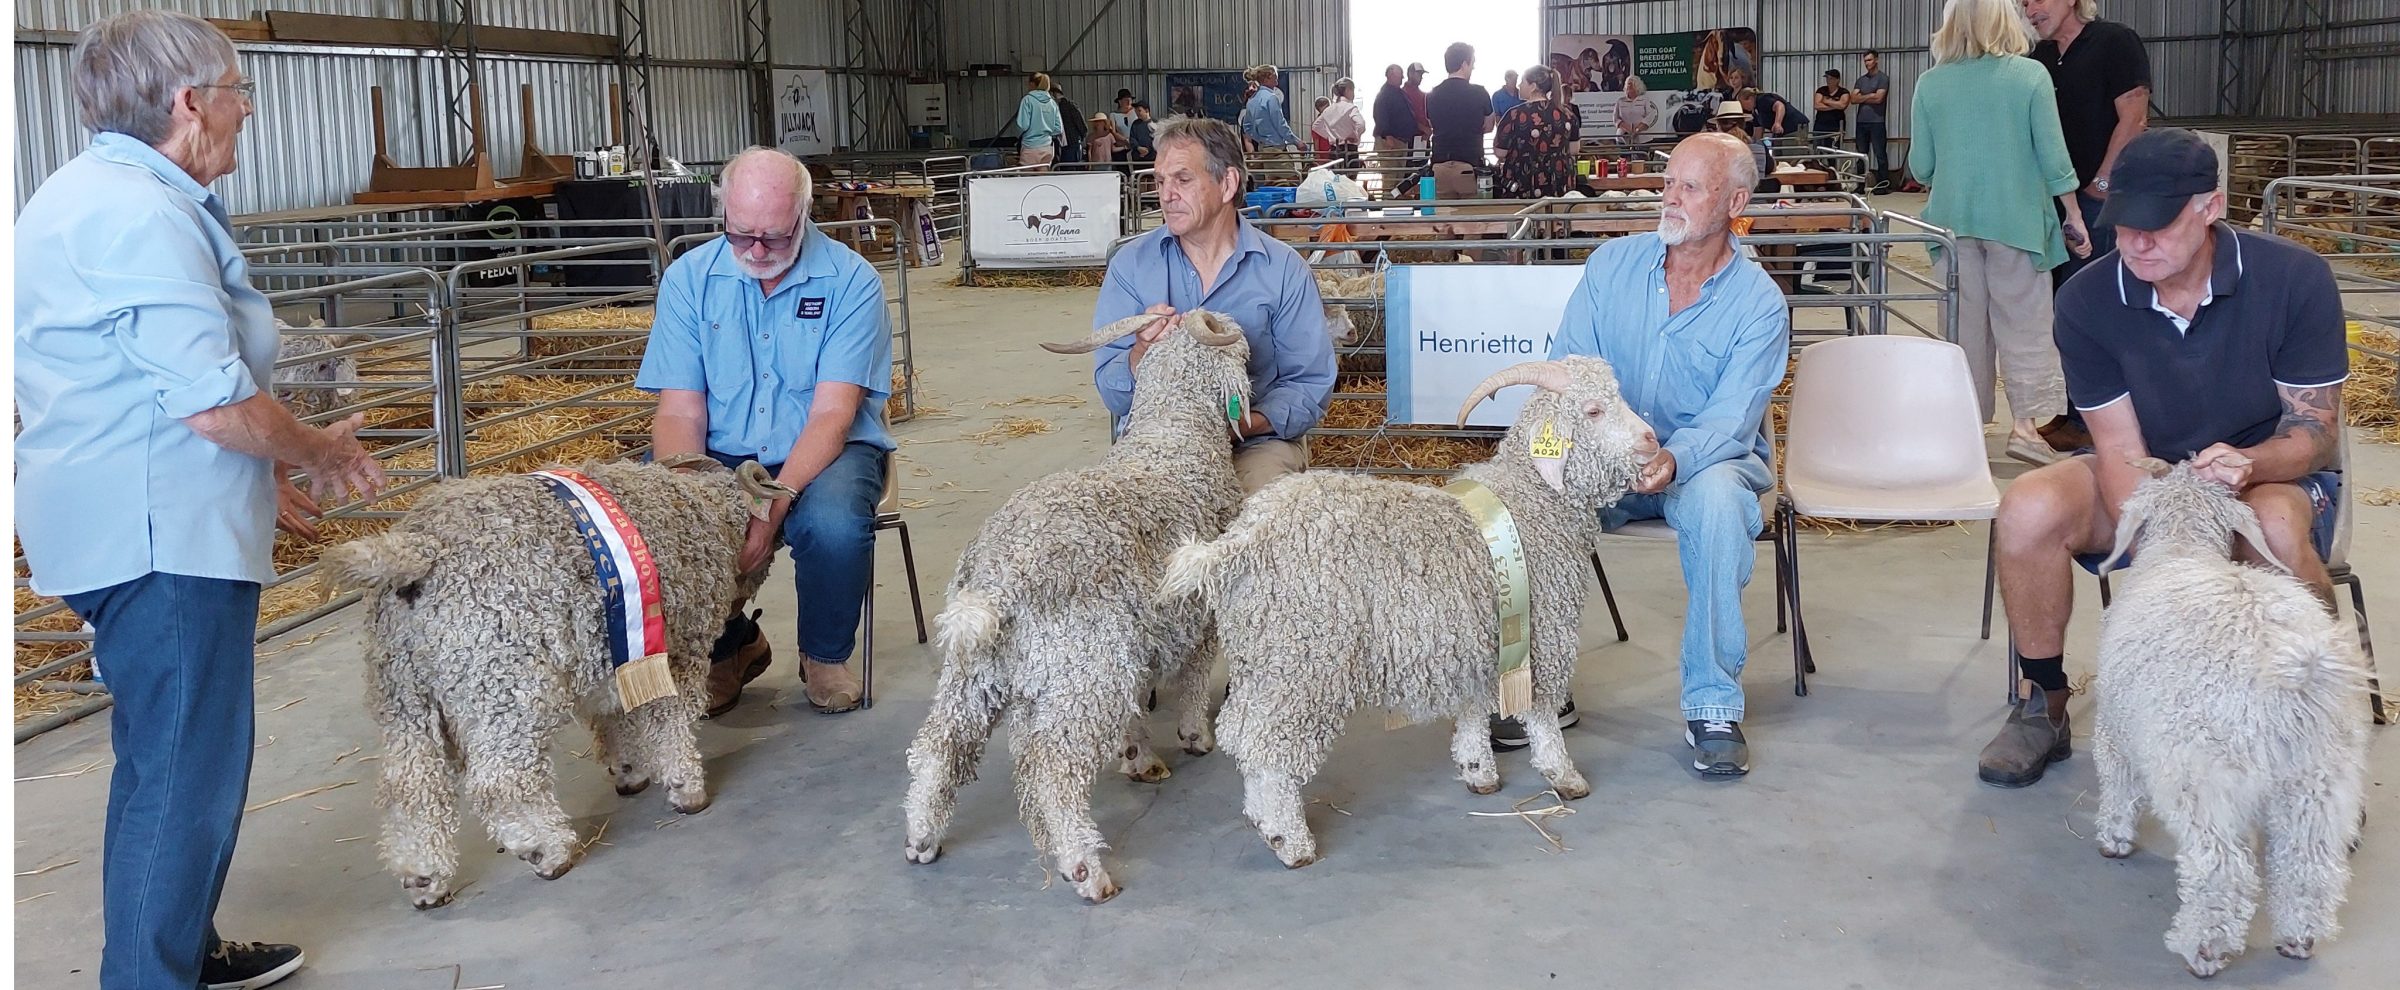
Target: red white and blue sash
(633, 603)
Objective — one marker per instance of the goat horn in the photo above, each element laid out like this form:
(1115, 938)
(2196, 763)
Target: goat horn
(694, 459)
(1549, 375)
(1102, 337)
(1202, 326)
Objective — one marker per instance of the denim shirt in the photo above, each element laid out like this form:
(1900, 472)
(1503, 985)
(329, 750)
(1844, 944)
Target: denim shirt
(1264, 121)
(1702, 377)
(1264, 286)
(134, 311)
(757, 357)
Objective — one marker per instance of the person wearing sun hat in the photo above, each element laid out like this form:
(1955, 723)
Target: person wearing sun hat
(2193, 340)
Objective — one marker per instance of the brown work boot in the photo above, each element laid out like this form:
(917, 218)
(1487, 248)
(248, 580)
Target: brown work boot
(2065, 435)
(831, 687)
(739, 656)
(2036, 735)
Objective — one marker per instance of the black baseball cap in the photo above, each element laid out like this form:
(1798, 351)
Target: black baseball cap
(2156, 174)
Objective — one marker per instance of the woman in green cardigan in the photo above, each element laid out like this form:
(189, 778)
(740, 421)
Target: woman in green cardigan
(1988, 144)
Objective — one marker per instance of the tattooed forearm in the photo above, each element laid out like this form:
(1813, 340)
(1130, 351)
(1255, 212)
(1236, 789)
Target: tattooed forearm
(2314, 413)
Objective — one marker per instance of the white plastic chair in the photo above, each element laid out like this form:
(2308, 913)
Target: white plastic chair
(1882, 429)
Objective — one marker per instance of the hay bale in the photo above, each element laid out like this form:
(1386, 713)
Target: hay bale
(1031, 278)
(2371, 398)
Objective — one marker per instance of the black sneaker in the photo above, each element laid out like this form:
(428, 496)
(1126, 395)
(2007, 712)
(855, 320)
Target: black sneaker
(1509, 734)
(249, 965)
(1718, 749)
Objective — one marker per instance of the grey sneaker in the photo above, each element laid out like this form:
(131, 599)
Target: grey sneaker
(1718, 749)
(2036, 735)
(1509, 734)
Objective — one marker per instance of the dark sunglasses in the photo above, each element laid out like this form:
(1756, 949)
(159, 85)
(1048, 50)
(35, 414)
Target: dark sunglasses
(743, 242)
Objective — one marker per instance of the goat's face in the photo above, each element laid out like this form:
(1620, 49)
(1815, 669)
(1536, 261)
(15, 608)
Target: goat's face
(1576, 429)
(1218, 369)
(2177, 507)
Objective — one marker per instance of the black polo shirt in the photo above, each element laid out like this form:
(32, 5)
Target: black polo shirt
(2272, 317)
(1457, 108)
(2105, 62)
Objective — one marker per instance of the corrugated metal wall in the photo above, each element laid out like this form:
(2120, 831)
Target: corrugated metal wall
(1800, 39)
(1095, 47)
(311, 141)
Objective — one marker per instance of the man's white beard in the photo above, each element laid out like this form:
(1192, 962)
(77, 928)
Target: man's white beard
(1674, 230)
(767, 272)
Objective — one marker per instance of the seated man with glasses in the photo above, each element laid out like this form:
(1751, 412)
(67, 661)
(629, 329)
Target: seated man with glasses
(772, 344)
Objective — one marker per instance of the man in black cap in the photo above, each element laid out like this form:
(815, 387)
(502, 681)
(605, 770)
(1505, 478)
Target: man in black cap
(2195, 340)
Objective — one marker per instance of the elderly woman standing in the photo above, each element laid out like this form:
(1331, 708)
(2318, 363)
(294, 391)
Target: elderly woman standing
(149, 473)
(1988, 143)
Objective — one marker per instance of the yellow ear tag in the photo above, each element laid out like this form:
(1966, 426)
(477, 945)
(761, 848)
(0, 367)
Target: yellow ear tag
(1548, 444)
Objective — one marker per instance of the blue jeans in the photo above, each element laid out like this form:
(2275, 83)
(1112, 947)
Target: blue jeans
(1870, 143)
(831, 533)
(180, 662)
(2104, 240)
(1716, 518)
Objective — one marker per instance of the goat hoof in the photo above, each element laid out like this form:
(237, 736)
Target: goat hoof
(1484, 787)
(923, 853)
(1572, 786)
(549, 865)
(690, 804)
(2115, 848)
(425, 893)
(629, 785)
(2206, 961)
(1197, 744)
(1297, 862)
(1151, 774)
(2296, 948)
(1100, 893)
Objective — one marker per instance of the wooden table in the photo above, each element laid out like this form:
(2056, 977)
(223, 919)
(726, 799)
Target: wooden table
(1807, 178)
(1645, 182)
(881, 201)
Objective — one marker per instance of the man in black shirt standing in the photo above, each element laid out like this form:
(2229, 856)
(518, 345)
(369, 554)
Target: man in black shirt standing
(2103, 81)
(1395, 122)
(1462, 114)
(1070, 117)
(2193, 340)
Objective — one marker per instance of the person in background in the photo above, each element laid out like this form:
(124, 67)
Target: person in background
(1987, 141)
(772, 344)
(1072, 126)
(1416, 104)
(1264, 120)
(1703, 334)
(1869, 95)
(1462, 115)
(1395, 127)
(1122, 116)
(1038, 124)
(1733, 121)
(1535, 141)
(1319, 144)
(153, 468)
(1505, 98)
(1635, 113)
(2195, 340)
(1141, 139)
(1341, 125)
(2102, 76)
(1205, 256)
(1771, 116)
(1100, 145)
(1832, 103)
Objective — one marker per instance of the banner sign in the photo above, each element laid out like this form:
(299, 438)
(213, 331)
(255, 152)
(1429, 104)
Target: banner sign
(1043, 219)
(1448, 327)
(1641, 86)
(1205, 94)
(803, 111)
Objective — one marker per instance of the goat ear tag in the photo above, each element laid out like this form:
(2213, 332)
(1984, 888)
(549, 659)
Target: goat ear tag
(1233, 407)
(1548, 445)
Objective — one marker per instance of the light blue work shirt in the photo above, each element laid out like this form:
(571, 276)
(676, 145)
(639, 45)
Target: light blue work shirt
(1265, 122)
(1264, 286)
(1702, 377)
(758, 356)
(134, 311)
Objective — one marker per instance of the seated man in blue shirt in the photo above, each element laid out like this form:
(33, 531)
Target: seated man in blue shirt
(1698, 335)
(772, 344)
(1206, 257)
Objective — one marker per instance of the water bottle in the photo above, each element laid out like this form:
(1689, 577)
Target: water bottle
(1425, 193)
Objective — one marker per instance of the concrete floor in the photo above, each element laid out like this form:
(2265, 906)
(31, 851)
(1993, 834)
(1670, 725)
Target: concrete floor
(1860, 852)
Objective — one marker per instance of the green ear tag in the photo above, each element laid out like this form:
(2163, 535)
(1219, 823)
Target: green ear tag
(1233, 407)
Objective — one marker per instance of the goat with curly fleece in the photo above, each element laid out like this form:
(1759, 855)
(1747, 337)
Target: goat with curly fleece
(1053, 618)
(2232, 708)
(487, 633)
(1335, 592)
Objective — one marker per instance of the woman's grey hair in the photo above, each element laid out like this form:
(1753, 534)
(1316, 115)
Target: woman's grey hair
(1216, 138)
(128, 68)
(767, 158)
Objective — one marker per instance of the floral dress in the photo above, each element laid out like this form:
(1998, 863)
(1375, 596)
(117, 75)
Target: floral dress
(1538, 137)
